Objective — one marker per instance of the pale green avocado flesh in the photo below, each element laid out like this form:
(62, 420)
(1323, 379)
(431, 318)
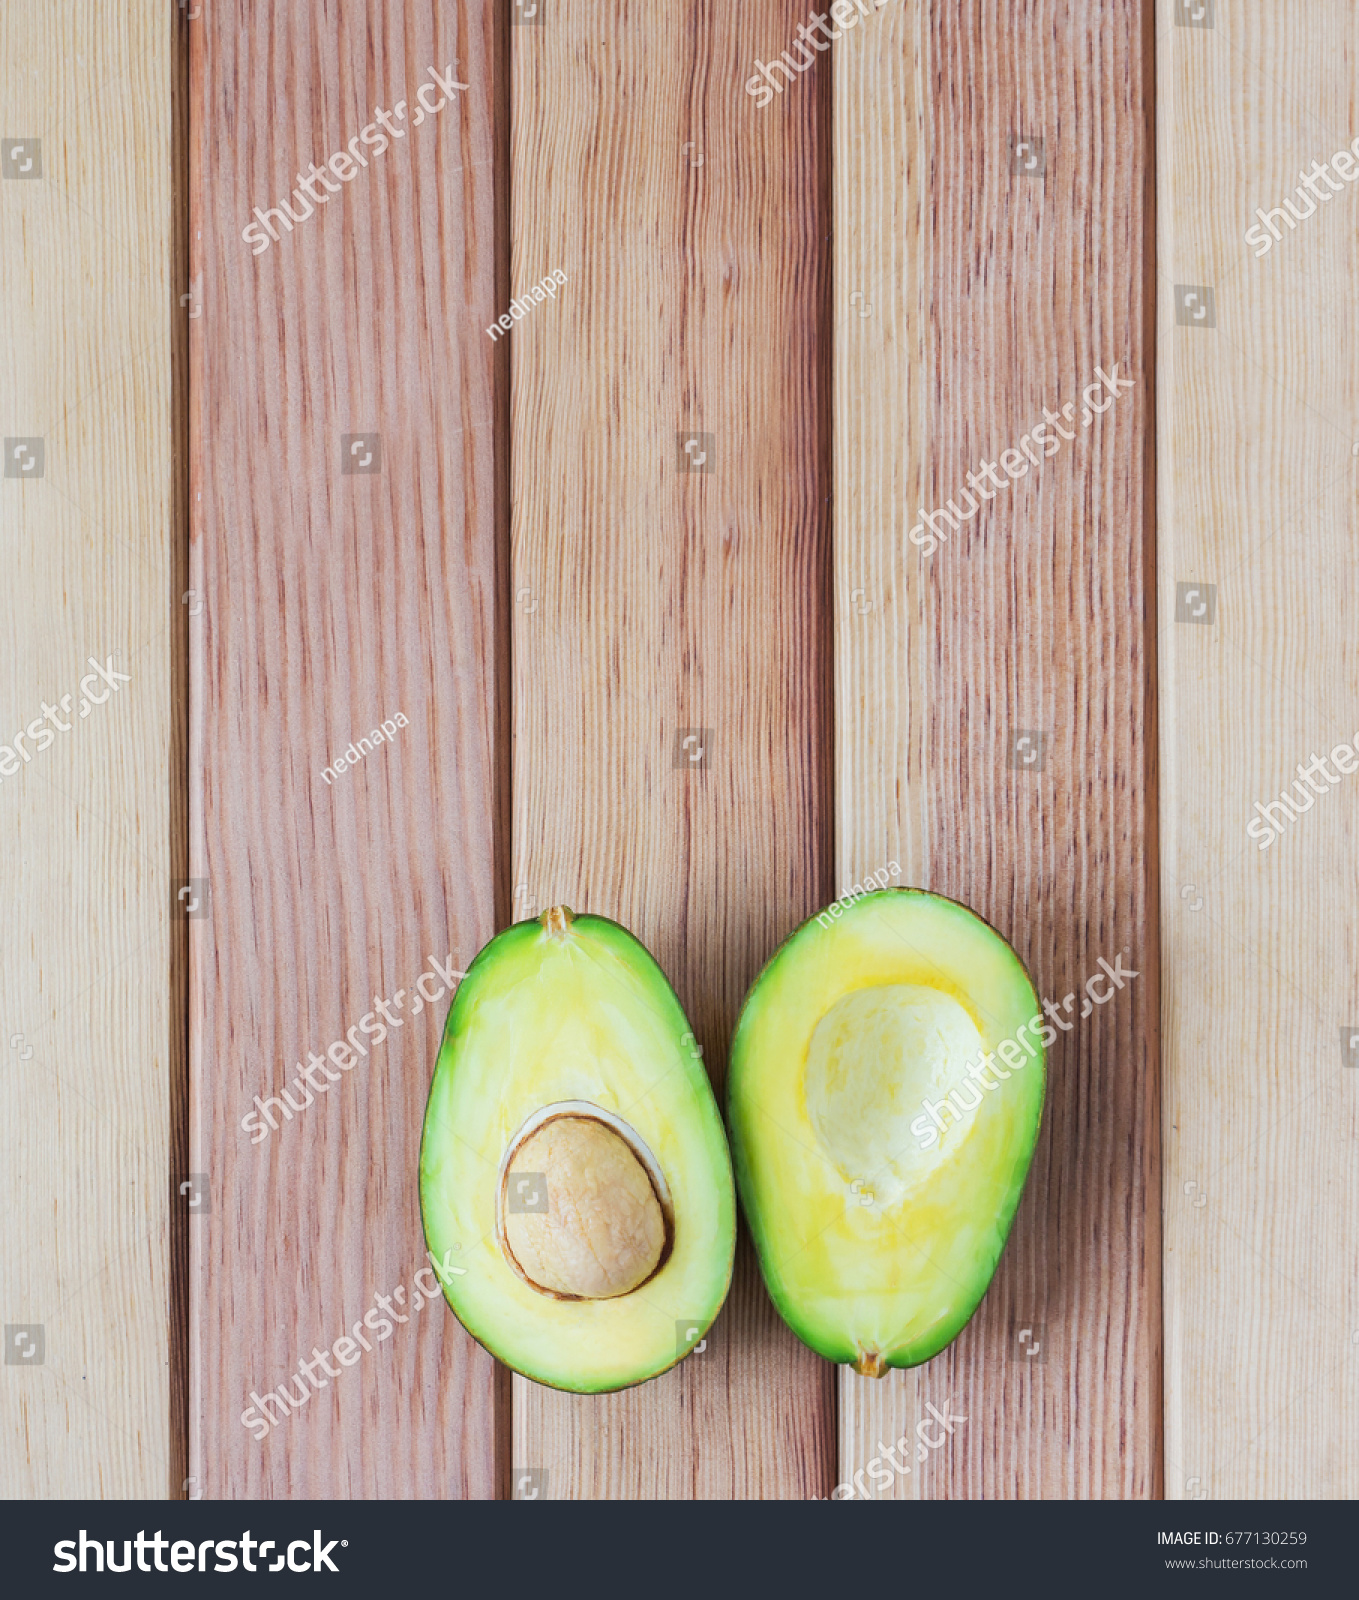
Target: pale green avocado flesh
(885, 1094)
(570, 1018)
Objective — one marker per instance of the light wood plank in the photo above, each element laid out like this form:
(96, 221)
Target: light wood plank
(881, 313)
(88, 1093)
(182, 603)
(995, 294)
(652, 601)
(333, 602)
(1258, 476)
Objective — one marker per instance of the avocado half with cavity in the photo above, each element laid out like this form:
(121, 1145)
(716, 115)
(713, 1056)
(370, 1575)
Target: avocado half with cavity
(885, 1093)
(574, 1175)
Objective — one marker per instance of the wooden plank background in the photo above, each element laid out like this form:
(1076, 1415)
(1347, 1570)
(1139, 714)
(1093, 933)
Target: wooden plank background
(875, 254)
(334, 602)
(1259, 473)
(970, 293)
(91, 1070)
(654, 600)
(881, 308)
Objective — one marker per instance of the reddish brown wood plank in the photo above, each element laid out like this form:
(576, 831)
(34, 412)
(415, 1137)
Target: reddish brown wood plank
(1040, 616)
(691, 227)
(992, 182)
(332, 602)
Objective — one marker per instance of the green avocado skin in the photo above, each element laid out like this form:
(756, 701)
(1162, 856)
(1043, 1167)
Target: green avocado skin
(761, 1009)
(605, 940)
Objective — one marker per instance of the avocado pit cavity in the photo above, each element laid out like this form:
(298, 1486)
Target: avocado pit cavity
(604, 1230)
(876, 1057)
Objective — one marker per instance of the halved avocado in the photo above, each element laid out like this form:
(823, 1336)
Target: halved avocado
(885, 1093)
(574, 1175)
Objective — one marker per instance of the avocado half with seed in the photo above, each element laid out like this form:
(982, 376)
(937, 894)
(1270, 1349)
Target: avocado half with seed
(574, 1173)
(885, 1092)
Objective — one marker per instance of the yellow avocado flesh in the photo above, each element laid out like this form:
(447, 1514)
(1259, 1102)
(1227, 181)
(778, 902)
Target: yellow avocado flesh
(570, 1020)
(877, 1229)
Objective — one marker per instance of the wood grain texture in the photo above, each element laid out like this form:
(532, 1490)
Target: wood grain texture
(995, 294)
(332, 602)
(880, 180)
(177, 779)
(1259, 470)
(651, 601)
(88, 1095)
